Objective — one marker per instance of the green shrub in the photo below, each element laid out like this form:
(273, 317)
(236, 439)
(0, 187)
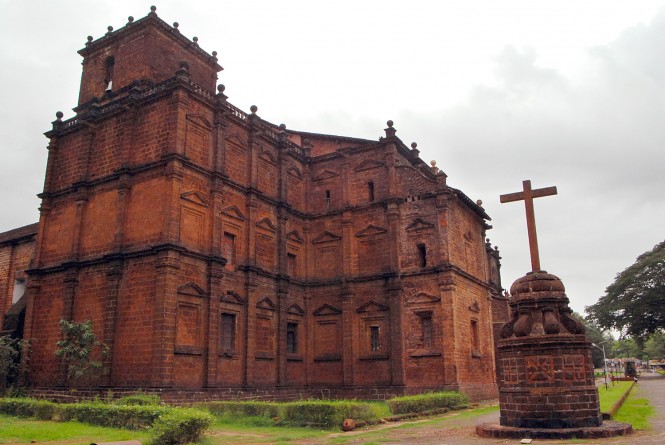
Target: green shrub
(326, 414)
(31, 408)
(426, 402)
(77, 349)
(117, 416)
(170, 426)
(180, 426)
(242, 409)
(139, 399)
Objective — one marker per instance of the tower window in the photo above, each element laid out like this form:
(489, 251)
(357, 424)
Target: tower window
(370, 191)
(422, 255)
(292, 337)
(327, 199)
(375, 340)
(108, 72)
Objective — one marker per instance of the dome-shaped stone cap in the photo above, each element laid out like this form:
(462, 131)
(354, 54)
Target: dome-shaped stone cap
(537, 282)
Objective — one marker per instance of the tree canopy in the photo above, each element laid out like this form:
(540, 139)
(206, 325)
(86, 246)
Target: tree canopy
(634, 304)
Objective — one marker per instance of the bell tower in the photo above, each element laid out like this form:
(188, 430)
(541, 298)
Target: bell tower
(144, 51)
(122, 209)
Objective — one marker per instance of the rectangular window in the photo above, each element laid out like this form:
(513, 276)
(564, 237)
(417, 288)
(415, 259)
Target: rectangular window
(292, 338)
(375, 340)
(422, 255)
(291, 263)
(370, 191)
(229, 248)
(327, 199)
(475, 340)
(228, 332)
(19, 289)
(427, 330)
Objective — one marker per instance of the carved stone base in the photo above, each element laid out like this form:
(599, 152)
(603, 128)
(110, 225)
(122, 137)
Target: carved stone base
(607, 429)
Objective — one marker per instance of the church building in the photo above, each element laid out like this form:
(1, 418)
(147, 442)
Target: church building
(219, 253)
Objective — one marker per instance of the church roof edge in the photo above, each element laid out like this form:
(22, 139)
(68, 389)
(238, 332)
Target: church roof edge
(468, 201)
(18, 233)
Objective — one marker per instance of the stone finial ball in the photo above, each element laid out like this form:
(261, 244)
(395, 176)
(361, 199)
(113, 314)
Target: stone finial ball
(432, 163)
(109, 28)
(253, 109)
(89, 38)
(176, 24)
(390, 123)
(195, 39)
(413, 145)
(221, 88)
(479, 203)
(59, 115)
(130, 19)
(153, 8)
(282, 126)
(214, 53)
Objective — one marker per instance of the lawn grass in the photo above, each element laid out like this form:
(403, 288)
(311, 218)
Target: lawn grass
(636, 410)
(227, 429)
(13, 430)
(611, 395)
(232, 430)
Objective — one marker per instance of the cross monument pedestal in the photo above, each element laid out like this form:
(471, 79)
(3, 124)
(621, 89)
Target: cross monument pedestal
(545, 373)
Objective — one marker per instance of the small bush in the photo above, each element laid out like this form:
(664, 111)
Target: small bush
(426, 402)
(326, 414)
(180, 426)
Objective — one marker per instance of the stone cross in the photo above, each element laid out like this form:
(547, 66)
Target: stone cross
(527, 195)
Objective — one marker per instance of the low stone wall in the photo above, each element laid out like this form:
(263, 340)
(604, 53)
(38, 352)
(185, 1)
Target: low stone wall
(183, 397)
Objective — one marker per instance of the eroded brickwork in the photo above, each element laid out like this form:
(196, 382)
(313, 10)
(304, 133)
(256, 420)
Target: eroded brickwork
(213, 249)
(16, 250)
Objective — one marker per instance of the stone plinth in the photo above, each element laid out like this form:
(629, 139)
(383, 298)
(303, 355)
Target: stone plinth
(545, 372)
(547, 383)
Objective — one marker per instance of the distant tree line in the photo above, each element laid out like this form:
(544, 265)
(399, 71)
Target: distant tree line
(634, 307)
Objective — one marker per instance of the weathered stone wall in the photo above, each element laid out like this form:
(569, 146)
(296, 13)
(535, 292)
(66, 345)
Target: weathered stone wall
(16, 250)
(211, 251)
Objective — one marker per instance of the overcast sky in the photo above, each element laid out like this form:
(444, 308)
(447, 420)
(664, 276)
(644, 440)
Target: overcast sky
(564, 93)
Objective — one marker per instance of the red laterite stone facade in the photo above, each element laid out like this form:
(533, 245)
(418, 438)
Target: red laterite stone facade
(214, 250)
